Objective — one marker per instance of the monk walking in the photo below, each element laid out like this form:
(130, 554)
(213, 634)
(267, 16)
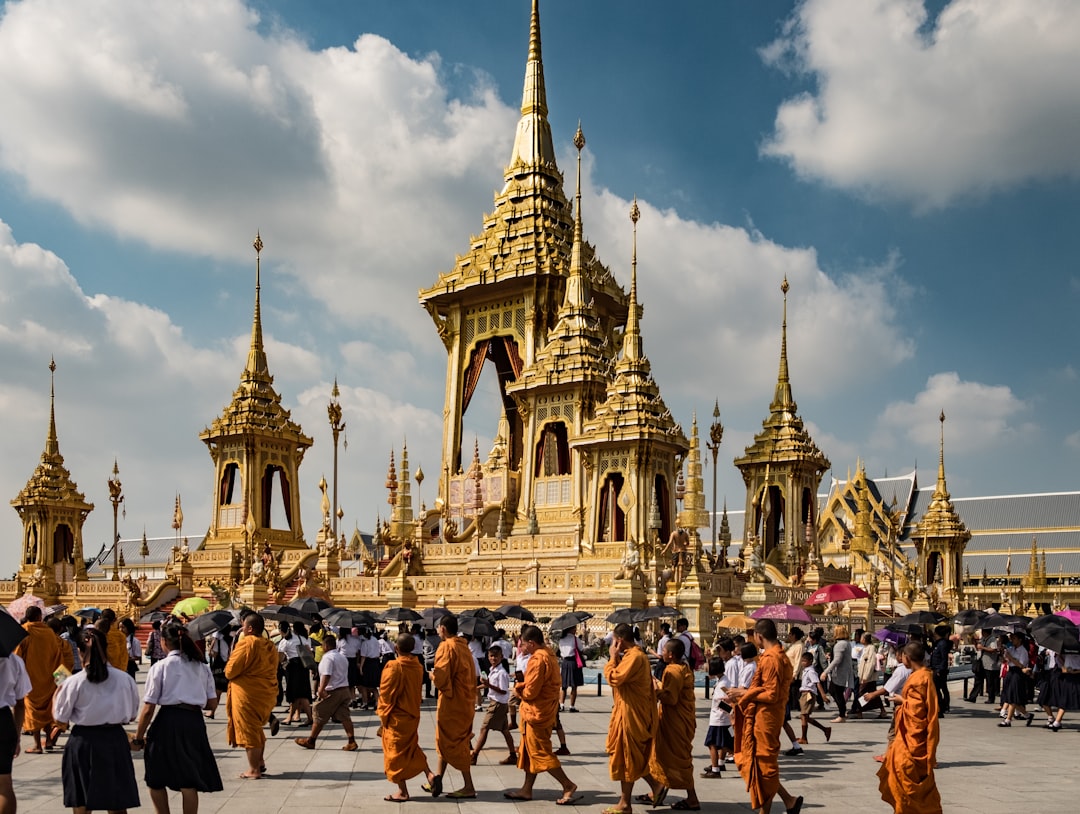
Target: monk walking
(399, 715)
(633, 716)
(906, 777)
(671, 765)
(252, 673)
(538, 697)
(759, 717)
(454, 677)
(118, 651)
(40, 650)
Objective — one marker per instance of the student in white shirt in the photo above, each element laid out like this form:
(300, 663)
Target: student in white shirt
(178, 753)
(894, 685)
(810, 690)
(496, 718)
(333, 696)
(98, 702)
(719, 737)
(572, 675)
(14, 686)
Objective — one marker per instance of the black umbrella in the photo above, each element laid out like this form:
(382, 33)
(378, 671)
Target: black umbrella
(920, 618)
(309, 605)
(88, 613)
(621, 615)
(659, 612)
(1061, 638)
(53, 610)
(431, 616)
(206, 623)
(11, 633)
(516, 612)
(343, 617)
(907, 630)
(1004, 621)
(483, 613)
(400, 615)
(569, 620)
(283, 613)
(154, 616)
(969, 617)
(476, 626)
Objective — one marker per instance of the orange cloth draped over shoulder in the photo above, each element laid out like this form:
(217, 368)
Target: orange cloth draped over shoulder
(118, 652)
(399, 714)
(455, 678)
(671, 763)
(906, 778)
(537, 712)
(633, 716)
(41, 652)
(252, 673)
(759, 717)
(67, 657)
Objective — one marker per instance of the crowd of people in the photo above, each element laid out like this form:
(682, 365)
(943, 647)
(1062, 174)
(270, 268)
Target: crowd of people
(65, 677)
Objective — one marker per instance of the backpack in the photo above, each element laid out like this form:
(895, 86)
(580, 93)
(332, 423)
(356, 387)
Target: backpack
(695, 657)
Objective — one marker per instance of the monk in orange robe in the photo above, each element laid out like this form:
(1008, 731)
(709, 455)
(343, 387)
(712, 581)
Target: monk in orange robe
(399, 716)
(759, 716)
(118, 652)
(41, 652)
(671, 765)
(252, 673)
(906, 777)
(538, 706)
(455, 678)
(633, 716)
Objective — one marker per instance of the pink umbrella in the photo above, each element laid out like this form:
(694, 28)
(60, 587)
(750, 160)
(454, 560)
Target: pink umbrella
(785, 613)
(839, 592)
(1070, 614)
(17, 607)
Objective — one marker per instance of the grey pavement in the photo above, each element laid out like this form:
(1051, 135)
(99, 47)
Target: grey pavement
(981, 768)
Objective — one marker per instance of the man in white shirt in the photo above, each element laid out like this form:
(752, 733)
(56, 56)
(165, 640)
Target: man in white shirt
(14, 686)
(892, 688)
(332, 697)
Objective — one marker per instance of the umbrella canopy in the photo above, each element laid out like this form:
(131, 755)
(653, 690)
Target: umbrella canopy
(907, 630)
(786, 613)
(517, 612)
(202, 626)
(88, 613)
(839, 592)
(482, 613)
(53, 610)
(309, 605)
(400, 615)
(568, 620)
(659, 612)
(1070, 614)
(893, 637)
(283, 613)
(192, 606)
(153, 616)
(18, 606)
(476, 626)
(11, 633)
(1061, 637)
(920, 618)
(343, 617)
(623, 615)
(738, 622)
(1004, 621)
(431, 616)
(969, 617)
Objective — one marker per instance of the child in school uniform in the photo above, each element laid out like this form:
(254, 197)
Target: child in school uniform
(719, 737)
(496, 718)
(810, 690)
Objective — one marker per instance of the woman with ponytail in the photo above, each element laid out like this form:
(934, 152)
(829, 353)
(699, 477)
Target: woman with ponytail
(97, 769)
(178, 754)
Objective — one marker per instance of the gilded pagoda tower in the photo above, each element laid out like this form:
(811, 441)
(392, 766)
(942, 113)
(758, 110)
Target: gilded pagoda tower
(782, 470)
(52, 510)
(256, 448)
(940, 538)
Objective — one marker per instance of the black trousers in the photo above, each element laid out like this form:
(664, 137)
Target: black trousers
(941, 684)
(991, 681)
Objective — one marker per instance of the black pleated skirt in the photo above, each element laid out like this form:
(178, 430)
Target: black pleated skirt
(1063, 691)
(297, 681)
(97, 769)
(1015, 688)
(178, 753)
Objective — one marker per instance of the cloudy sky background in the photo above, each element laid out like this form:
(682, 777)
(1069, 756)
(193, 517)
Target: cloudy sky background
(912, 169)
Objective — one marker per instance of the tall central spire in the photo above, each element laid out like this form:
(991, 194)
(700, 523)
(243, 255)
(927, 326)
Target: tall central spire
(52, 443)
(256, 362)
(533, 143)
(632, 349)
(941, 490)
(783, 400)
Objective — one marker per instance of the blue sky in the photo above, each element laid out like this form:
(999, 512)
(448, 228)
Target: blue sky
(911, 169)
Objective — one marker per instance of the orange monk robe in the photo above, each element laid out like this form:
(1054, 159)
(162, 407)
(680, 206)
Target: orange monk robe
(399, 714)
(67, 657)
(252, 673)
(906, 778)
(633, 715)
(118, 651)
(671, 764)
(41, 652)
(537, 712)
(759, 717)
(455, 679)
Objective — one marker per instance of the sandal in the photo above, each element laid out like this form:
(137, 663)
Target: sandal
(434, 788)
(683, 805)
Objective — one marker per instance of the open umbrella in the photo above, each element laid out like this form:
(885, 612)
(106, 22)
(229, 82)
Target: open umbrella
(920, 618)
(971, 616)
(476, 626)
(482, 613)
(343, 617)
(153, 616)
(785, 613)
(659, 612)
(1061, 637)
(569, 620)
(1070, 614)
(400, 615)
(738, 622)
(309, 605)
(1004, 621)
(893, 637)
(192, 606)
(18, 606)
(203, 625)
(53, 610)
(623, 615)
(283, 613)
(517, 612)
(11, 633)
(838, 592)
(431, 616)
(88, 613)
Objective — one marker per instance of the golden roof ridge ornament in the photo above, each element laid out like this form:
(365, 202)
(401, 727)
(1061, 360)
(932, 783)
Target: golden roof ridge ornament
(52, 442)
(532, 142)
(256, 363)
(632, 345)
(783, 399)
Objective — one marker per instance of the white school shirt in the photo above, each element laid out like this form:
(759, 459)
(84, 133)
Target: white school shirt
(746, 672)
(14, 680)
(506, 646)
(1071, 662)
(568, 644)
(897, 680)
(335, 664)
(349, 645)
(499, 680)
(521, 661)
(113, 701)
(369, 648)
(291, 646)
(809, 680)
(478, 653)
(1020, 654)
(718, 716)
(176, 680)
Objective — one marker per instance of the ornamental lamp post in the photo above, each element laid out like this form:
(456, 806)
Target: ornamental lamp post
(337, 426)
(116, 497)
(716, 435)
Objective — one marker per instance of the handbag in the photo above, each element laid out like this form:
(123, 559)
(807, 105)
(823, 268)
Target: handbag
(577, 655)
(217, 670)
(307, 658)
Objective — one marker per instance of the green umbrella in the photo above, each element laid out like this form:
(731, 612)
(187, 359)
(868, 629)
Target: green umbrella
(192, 606)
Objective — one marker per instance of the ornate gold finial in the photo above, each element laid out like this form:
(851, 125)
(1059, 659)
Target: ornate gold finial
(579, 138)
(784, 286)
(334, 392)
(258, 244)
(52, 364)
(635, 213)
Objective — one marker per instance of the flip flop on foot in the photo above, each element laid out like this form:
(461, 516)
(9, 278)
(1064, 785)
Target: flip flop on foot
(461, 794)
(250, 776)
(614, 810)
(570, 797)
(390, 798)
(434, 787)
(516, 795)
(35, 750)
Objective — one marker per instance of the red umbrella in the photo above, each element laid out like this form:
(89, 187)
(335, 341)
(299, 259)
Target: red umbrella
(785, 613)
(839, 592)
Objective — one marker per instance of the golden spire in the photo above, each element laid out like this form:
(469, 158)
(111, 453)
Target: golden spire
(940, 489)
(52, 443)
(392, 481)
(783, 400)
(533, 143)
(256, 363)
(632, 348)
(577, 294)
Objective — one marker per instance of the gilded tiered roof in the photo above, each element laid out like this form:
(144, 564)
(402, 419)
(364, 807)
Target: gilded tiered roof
(51, 482)
(694, 515)
(783, 436)
(255, 404)
(940, 520)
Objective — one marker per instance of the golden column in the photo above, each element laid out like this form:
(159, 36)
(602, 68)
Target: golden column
(337, 426)
(716, 435)
(116, 497)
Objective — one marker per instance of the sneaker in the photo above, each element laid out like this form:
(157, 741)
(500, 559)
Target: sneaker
(716, 773)
(1004, 723)
(562, 750)
(479, 708)
(573, 709)
(1055, 727)
(1030, 718)
(729, 759)
(562, 707)
(794, 751)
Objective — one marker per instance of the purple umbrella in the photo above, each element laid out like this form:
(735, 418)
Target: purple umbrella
(785, 613)
(1070, 614)
(895, 638)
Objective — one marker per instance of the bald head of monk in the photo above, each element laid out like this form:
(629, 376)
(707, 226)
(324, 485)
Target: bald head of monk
(766, 629)
(404, 644)
(33, 614)
(254, 625)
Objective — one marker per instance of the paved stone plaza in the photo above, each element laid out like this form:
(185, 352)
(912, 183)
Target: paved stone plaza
(982, 769)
